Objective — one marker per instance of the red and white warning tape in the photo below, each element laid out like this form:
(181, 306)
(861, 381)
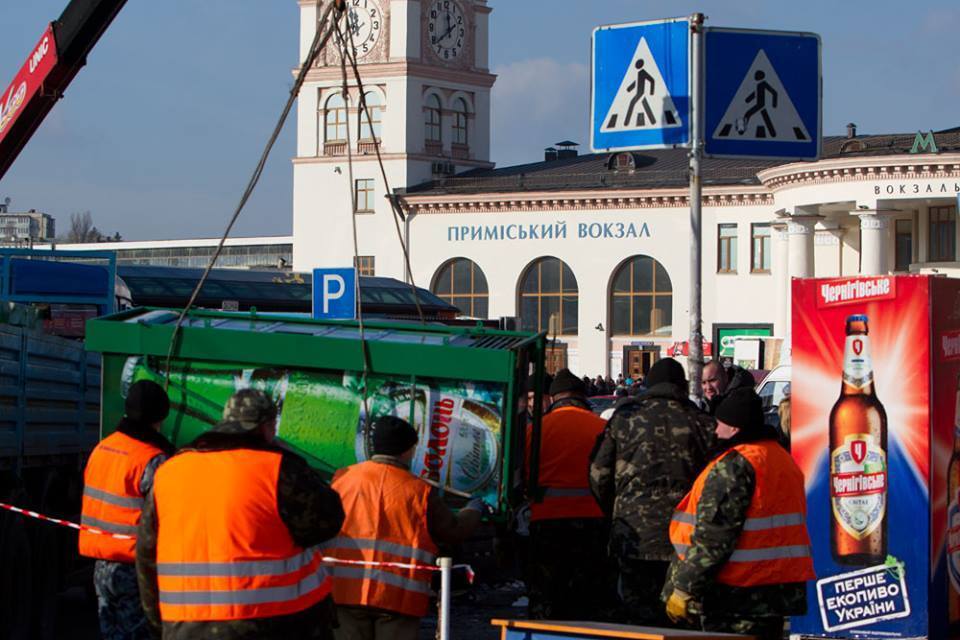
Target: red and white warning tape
(64, 523)
(324, 559)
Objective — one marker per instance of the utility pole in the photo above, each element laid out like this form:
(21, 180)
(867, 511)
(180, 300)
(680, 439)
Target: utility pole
(695, 359)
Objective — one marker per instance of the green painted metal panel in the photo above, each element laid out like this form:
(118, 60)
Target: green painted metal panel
(460, 387)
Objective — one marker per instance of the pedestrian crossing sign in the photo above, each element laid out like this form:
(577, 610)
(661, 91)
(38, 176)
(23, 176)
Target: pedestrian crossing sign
(640, 96)
(763, 94)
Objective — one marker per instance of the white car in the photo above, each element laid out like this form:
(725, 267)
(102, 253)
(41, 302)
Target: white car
(774, 387)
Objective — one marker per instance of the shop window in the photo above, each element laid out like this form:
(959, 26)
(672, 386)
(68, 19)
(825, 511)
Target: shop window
(903, 245)
(727, 248)
(943, 234)
(433, 118)
(548, 289)
(641, 301)
(364, 194)
(365, 265)
(462, 283)
(371, 127)
(760, 248)
(335, 119)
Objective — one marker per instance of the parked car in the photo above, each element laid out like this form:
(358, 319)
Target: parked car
(772, 390)
(599, 404)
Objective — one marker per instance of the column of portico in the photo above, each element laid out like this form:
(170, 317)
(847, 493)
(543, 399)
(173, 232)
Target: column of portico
(874, 242)
(781, 275)
(800, 232)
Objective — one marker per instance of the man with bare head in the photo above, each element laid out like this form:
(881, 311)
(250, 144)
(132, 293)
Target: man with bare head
(714, 383)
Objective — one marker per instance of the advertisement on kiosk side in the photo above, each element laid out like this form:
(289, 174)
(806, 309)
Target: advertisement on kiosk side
(876, 431)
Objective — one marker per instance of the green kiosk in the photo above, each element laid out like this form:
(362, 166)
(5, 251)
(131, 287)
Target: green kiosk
(462, 388)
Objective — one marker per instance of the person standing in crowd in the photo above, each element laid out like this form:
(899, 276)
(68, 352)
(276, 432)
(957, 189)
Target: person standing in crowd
(118, 475)
(532, 395)
(567, 529)
(392, 516)
(743, 551)
(783, 412)
(650, 452)
(228, 543)
(718, 382)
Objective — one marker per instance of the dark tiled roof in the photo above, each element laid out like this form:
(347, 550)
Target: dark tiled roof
(659, 169)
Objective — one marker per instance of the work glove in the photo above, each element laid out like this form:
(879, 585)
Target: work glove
(477, 504)
(678, 606)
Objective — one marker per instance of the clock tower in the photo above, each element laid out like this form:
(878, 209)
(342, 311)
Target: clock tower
(424, 65)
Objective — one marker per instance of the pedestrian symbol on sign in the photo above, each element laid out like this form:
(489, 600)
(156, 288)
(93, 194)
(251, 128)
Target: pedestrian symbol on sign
(761, 109)
(643, 100)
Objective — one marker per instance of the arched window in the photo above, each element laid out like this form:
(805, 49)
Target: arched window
(547, 288)
(433, 119)
(371, 129)
(461, 283)
(641, 302)
(460, 111)
(335, 119)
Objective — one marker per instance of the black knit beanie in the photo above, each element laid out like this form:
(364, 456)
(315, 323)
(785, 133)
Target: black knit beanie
(147, 403)
(742, 409)
(566, 382)
(666, 370)
(391, 436)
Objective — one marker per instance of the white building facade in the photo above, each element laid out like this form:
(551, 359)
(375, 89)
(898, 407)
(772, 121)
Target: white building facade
(593, 249)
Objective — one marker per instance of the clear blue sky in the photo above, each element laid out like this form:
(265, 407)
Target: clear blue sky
(158, 134)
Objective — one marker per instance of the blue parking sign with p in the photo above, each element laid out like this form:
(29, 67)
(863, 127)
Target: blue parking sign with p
(335, 294)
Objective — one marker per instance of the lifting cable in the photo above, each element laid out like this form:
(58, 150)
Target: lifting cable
(319, 41)
(391, 196)
(364, 353)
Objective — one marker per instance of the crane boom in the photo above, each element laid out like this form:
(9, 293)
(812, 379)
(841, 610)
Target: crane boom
(51, 66)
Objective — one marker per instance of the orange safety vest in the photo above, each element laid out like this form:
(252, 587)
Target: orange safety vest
(386, 509)
(774, 546)
(567, 437)
(112, 500)
(223, 552)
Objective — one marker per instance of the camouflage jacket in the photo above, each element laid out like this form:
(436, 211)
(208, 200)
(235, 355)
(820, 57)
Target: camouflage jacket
(721, 512)
(309, 508)
(645, 461)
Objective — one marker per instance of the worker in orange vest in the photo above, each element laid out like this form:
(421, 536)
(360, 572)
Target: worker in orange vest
(392, 516)
(118, 475)
(568, 534)
(743, 552)
(228, 546)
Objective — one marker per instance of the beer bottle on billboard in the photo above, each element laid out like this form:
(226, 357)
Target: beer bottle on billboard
(953, 524)
(858, 457)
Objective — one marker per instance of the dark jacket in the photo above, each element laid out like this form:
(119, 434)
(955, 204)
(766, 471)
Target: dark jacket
(309, 508)
(721, 512)
(646, 460)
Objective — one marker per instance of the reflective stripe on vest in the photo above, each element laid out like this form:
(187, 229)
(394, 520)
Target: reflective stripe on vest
(386, 521)
(773, 546)
(567, 437)
(223, 551)
(112, 500)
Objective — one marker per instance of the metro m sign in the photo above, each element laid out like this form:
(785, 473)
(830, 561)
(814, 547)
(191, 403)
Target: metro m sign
(28, 81)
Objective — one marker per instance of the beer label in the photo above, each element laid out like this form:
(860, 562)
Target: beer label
(858, 484)
(857, 363)
(953, 542)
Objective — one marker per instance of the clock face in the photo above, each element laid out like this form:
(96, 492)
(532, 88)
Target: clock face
(365, 20)
(446, 29)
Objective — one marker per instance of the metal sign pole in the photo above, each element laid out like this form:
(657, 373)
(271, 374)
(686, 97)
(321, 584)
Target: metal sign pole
(695, 359)
(446, 565)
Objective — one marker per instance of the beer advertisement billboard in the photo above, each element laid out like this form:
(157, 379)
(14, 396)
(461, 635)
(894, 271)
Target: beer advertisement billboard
(861, 435)
(945, 433)
(324, 414)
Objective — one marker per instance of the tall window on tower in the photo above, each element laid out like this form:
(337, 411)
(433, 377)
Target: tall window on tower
(460, 111)
(335, 124)
(364, 191)
(760, 248)
(433, 120)
(371, 127)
